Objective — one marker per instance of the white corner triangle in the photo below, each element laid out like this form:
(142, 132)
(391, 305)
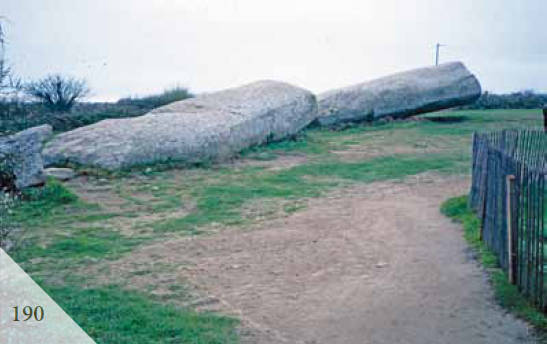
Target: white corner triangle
(18, 289)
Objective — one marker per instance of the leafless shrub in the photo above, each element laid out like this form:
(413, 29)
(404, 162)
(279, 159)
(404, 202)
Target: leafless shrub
(57, 92)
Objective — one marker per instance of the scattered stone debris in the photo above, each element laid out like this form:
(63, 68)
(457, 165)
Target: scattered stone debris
(60, 173)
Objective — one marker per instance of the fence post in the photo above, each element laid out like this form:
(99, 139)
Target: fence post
(485, 196)
(510, 254)
(545, 119)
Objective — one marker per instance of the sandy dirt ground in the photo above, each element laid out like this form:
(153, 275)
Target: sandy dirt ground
(375, 263)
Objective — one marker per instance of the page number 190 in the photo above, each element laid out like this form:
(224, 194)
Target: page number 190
(28, 313)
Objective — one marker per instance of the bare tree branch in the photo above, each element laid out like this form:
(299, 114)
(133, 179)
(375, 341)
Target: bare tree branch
(57, 92)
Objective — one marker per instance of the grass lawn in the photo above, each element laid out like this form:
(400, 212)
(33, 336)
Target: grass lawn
(68, 227)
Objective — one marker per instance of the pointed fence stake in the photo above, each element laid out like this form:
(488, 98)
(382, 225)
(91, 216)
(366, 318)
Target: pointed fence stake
(510, 254)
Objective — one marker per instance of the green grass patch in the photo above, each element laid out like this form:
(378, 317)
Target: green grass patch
(454, 135)
(112, 315)
(47, 213)
(77, 244)
(107, 314)
(381, 168)
(91, 242)
(293, 207)
(39, 206)
(506, 294)
(222, 202)
(40, 202)
(93, 217)
(307, 142)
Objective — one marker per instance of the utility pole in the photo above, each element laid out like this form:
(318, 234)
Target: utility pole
(437, 48)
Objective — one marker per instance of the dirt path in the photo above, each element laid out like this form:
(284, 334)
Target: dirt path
(372, 264)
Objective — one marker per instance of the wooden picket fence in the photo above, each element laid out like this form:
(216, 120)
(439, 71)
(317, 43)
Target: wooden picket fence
(508, 193)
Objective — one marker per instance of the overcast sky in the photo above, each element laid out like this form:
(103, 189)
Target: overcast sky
(126, 47)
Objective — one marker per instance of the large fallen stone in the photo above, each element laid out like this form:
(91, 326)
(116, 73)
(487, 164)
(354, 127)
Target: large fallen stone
(212, 126)
(400, 95)
(20, 155)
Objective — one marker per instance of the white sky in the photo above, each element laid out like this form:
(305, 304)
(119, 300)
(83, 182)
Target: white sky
(125, 47)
